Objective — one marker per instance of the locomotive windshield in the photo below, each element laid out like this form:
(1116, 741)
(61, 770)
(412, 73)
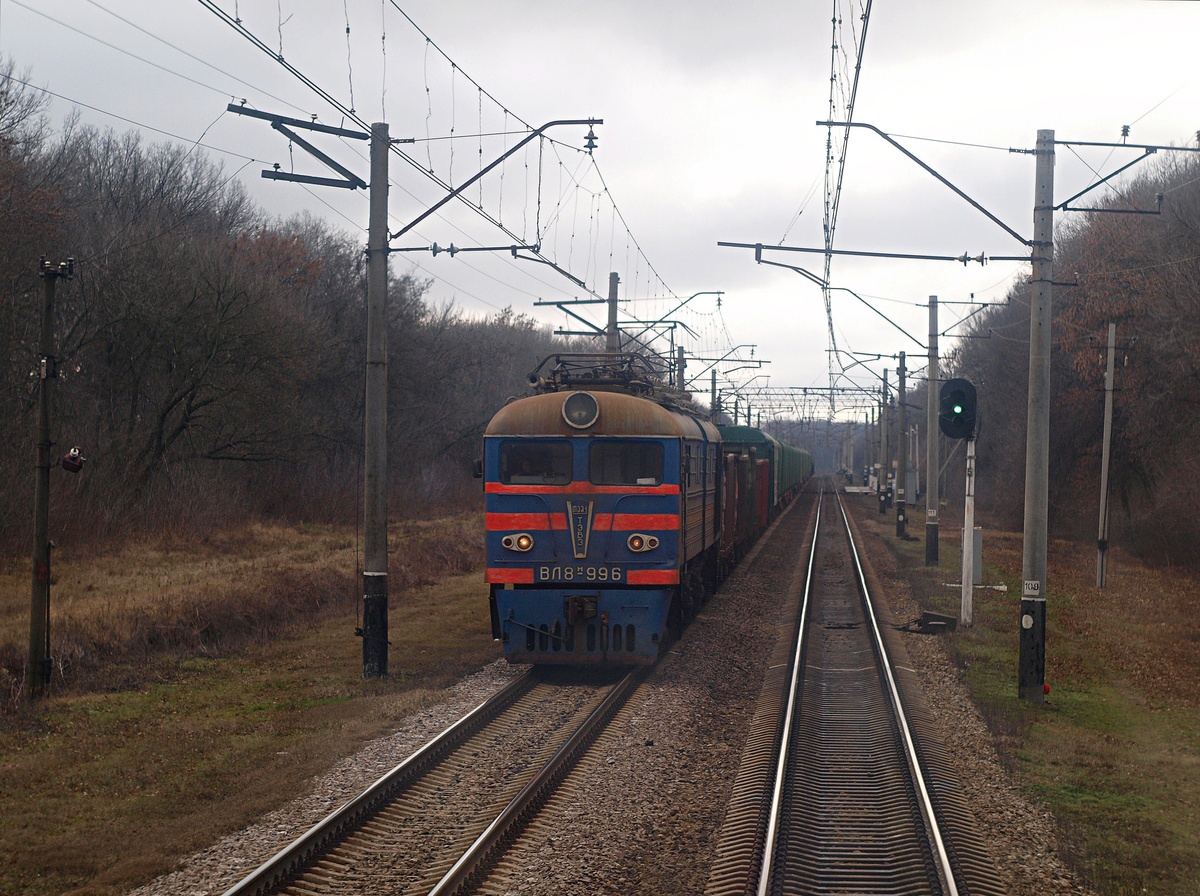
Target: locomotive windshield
(626, 463)
(535, 463)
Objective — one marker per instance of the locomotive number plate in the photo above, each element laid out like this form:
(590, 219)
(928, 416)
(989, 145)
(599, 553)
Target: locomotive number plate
(580, 574)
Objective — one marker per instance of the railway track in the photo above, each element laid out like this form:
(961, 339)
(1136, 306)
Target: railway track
(860, 801)
(419, 829)
(841, 790)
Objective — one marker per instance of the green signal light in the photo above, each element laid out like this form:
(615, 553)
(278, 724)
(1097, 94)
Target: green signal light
(956, 415)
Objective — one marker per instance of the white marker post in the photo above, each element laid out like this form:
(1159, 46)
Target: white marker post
(968, 548)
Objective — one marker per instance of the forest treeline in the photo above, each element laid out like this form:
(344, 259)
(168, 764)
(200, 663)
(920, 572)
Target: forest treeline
(210, 359)
(1141, 272)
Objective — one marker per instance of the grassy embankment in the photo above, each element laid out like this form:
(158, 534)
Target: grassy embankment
(199, 685)
(1114, 752)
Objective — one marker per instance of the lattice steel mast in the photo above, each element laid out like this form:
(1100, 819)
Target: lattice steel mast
(833, 184)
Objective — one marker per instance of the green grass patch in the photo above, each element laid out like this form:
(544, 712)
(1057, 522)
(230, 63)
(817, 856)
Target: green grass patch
(1114, 752)
(1123, 776)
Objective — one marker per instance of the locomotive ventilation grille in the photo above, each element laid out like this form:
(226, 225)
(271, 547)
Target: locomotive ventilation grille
(557, 638)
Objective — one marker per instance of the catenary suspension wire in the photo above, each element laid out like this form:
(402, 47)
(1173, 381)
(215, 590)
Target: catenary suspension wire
(121, 50)
(351, 115)
(325, 95)
(162, 41)
(833, 197)
(349, 59)
(135, 123)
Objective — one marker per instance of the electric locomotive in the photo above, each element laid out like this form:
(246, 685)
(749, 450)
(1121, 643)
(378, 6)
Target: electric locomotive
(602, 514)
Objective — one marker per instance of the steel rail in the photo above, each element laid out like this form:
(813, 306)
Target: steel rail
(933, 828)
(534, 794)
(349, 817)
(539, 788)
(768, 855)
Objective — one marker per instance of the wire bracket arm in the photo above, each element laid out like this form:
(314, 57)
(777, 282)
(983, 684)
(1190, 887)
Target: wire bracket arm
(974, 204)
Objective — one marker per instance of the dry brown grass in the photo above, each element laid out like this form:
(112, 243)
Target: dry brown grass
(129, 615)
(183, 728)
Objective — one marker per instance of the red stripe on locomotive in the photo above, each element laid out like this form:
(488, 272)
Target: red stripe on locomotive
(652, 577)
(509, 577)
(604, 522)
(501, 522)
(581, 488)
(629, 522)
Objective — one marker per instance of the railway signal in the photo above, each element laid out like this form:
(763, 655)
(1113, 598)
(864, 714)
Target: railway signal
(956, 417)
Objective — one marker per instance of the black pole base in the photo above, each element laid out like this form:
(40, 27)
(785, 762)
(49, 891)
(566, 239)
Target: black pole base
(375, 625)
(1031, 674)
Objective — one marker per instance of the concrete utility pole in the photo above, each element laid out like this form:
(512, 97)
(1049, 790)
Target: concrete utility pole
(914, 469)
(1102, 540)
(931, 442)
(39, 617)
(885, 457)
(901, 455)
(1031, 676)
(716, 401)
(374, 631)
(868, 423)
(848, 450)
(614, 338)
(375, 503)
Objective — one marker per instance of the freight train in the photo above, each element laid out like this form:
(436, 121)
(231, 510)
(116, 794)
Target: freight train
(613, 511)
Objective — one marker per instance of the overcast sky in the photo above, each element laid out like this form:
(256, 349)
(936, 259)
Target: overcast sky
(709, 135)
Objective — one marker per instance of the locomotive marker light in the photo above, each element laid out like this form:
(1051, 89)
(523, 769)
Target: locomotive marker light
(639, 543)
(522, 542)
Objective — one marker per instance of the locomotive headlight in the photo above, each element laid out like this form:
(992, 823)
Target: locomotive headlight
(580, 410)
(641, 543)
(522, 542)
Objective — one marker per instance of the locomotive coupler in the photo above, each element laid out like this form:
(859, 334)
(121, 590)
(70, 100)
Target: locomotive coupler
(579, 606)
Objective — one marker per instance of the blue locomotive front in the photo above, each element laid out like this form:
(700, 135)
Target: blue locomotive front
(600, 506)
